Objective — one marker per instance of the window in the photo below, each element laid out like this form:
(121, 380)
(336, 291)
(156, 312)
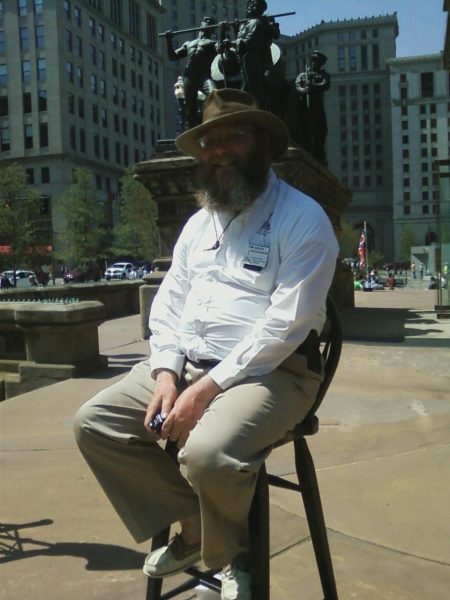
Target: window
(94, 113)
(67, 9)
(22, 5)
(40, 39)
(24, 39)
(116, 123)
(123, 99)
(376, 56)
(102, 86)
(105, 148)
(26, 71)
(104, 117)
(92, 55)
(406, 210)
(122, 72)
(78, 46)
(28, 136)
(69, 71)
(82, 135)
(101, 32)
(4, 109)
(115, 94)
(71, 103)
(425, 209)
(124, 126)
(80, 76)
(43, 135)
(4, 139)
(102, 61)
(113, 41)
(81, 107)
(427, 84)
(68, 39)
(30, 176)
(42, 100)
(72, 140)
(26, 98)
(41, 70)
(364, 61)
(45, 175)
(118, 158)
(341, 58)
(2, 42)
(92, 25)
(38, 7)
(3, 75)
(352, 57)
(77, 15)
(406, 196)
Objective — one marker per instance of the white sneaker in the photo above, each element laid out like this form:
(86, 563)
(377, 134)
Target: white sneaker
(236, 582)
(171, 559)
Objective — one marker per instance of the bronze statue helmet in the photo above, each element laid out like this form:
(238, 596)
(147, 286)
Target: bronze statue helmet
(209, 21)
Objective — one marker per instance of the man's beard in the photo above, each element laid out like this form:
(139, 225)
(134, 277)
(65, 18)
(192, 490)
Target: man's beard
(236, 193)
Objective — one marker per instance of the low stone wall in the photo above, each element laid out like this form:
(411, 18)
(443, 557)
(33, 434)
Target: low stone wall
(42, 343)
(119, 298)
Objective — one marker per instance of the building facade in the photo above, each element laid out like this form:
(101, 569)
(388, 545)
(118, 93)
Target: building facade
(420, 107)
(80, 86)
(359, 147)
(186, 14)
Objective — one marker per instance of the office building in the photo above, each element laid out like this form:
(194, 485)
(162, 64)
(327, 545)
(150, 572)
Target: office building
(359, 147)
(420, 135)
(80, 86)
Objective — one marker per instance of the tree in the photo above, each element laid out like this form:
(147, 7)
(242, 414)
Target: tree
(407, 240)
(136, 234)
(85, 237)
(348, 240)
(20, 212)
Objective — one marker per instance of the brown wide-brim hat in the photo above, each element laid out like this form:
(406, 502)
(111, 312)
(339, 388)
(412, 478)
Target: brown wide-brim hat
(231, 106)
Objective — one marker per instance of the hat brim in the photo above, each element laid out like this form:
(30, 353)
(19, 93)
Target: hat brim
(188, 141)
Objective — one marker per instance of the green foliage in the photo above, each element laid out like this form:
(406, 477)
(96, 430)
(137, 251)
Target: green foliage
(376, 258)
(407, 240)
(19, 217)
(136, 234)
(84, 239)
(348, 240)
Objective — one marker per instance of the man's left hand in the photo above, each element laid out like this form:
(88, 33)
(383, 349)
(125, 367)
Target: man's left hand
(188, 409)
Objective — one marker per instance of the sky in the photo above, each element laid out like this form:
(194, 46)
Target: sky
(421, 22)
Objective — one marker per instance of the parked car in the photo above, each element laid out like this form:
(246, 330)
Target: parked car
(81, 275)
(119, 270)
(22, 277)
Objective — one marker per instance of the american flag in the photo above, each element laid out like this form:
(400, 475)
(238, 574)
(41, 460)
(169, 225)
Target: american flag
(362, 249)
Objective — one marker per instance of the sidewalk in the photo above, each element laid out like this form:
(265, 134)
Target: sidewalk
(382, 457)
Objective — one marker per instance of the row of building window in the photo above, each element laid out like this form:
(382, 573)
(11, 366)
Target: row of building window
(45, 175)
(74, 14)
(368, 181)
(347, 58)
(425, 209)
(27, 103)
(5, 138)
(121, 151)
(22, 7)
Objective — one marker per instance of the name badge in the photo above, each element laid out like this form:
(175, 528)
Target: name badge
(257, 257)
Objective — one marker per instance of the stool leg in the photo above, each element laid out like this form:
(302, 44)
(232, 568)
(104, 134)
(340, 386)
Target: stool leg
(306, 474)
(154, 586)
(259, 536)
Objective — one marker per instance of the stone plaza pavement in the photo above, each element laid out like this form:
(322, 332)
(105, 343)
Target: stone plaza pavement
(382, 456)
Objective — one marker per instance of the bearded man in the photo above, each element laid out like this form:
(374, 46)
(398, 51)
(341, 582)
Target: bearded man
(227, 374)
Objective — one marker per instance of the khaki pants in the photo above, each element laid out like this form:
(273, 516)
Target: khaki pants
(221, 458)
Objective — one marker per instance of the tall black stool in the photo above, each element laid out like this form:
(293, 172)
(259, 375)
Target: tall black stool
(307, 486)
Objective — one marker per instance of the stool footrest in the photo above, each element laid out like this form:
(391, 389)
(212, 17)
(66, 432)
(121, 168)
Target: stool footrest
(279, 482)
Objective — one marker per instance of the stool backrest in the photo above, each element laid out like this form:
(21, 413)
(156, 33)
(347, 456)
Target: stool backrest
(331, 346)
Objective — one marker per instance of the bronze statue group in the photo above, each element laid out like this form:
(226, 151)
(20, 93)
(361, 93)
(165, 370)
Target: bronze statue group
(242, 54)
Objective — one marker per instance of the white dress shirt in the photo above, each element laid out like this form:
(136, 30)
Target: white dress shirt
(250, 302)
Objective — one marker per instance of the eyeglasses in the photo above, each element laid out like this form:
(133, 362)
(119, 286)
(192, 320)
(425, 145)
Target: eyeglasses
(232, 138)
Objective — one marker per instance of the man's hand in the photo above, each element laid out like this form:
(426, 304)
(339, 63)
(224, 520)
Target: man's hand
(188, 409)
(164, 397)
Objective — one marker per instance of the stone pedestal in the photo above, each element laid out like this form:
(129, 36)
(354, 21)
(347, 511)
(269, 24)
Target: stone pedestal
(42, 343)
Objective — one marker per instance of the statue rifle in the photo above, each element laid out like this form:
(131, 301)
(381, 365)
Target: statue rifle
(228, 23)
